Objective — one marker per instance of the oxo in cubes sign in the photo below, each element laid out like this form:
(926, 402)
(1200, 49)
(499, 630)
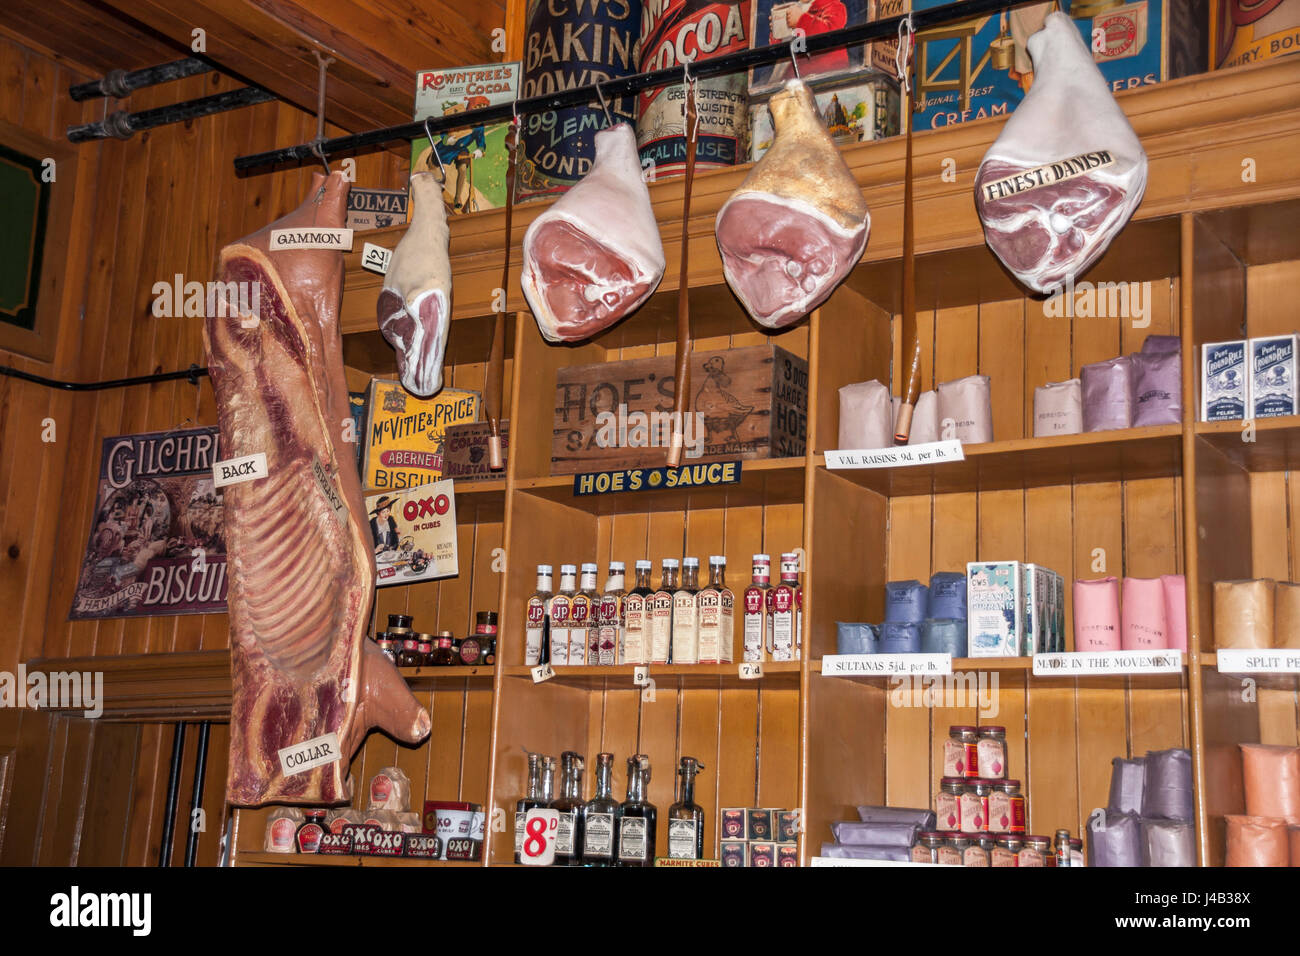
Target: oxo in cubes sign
(414, 534)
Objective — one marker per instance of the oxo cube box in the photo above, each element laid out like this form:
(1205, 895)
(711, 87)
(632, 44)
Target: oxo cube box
(1273, 376)
(995, 601)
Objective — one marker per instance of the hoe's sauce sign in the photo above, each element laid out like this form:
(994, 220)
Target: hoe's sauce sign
(414, 534)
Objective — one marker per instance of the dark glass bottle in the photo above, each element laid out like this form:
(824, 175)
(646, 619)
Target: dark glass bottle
(600, 818)
(307, 838)
(531, 800)
(409, 655)
(424, 644)
(569, 836)
(444, 656)
(636, 828)
(686, 817)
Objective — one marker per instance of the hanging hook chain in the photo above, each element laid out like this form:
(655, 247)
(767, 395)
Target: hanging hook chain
(433, 151)
(604, 105)
(903, 56)
(794, 57)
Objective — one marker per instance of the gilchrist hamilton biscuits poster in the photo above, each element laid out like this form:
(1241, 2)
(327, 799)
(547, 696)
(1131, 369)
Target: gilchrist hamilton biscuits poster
(157, 540)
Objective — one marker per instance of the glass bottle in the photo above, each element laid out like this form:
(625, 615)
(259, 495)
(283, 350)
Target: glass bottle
(686, 817)
(307, 838)
(531, 800)
(537, 633)
(601, 816)
(561, 608)
(636, 828)
(716, 615)
(661, 616)
(754, 633)
(1063, 848)
(582, 616)
(609, 629)
(444, 655)
(569, 836)
(785, 626)
(636, 629)
(425, 643)
(686, 615)
(409, 655)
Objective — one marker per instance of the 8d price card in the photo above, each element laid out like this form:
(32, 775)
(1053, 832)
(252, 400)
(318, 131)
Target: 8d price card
(540, 827)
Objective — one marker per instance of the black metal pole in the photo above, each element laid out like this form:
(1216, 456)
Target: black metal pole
(196, 799)
(173, 789)
(120, 83)
(628, 85)
(192, 373)
(124, 125)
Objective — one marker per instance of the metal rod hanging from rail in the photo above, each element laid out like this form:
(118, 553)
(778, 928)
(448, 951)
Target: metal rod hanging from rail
(121, 83)
(627, 85)
(123, 125)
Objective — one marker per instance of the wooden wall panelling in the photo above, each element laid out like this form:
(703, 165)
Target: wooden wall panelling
(907, 741)
(104, 829)
(28, 739)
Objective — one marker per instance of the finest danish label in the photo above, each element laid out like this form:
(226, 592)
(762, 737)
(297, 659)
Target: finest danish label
(1047, 175)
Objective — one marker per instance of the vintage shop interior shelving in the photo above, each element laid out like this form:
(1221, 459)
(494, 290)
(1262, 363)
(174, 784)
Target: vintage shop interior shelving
(1221, 259)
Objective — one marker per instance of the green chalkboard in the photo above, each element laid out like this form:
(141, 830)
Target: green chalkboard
(24, 208)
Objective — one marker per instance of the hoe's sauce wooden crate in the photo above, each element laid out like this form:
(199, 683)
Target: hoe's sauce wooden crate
(745, 403)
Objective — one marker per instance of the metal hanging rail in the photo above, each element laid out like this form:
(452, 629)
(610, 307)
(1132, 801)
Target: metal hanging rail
(625, 86)
(120, 83)
(191, 374)
(123, 125)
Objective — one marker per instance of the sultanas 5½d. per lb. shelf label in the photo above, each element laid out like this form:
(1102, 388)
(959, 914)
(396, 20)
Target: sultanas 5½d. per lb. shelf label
(674, 32)
(573, 43)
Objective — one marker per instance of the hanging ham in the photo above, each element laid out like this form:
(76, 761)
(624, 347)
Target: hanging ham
(415, 304)
(595, 256)
(301, 560)
(798, 222)
(1066, 173)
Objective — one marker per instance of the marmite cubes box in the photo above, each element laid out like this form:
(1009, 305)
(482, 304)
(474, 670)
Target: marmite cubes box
(981, 67)
(853, 111)
(1272, 376)
(1225, 381)
(995, 602)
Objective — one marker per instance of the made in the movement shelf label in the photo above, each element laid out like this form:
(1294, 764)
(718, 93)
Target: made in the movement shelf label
(1100, 663)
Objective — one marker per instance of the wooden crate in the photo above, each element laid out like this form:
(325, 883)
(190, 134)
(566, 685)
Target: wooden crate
(746, 403)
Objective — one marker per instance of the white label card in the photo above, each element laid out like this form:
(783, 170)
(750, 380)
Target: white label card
(538, 846)
(542, 672)
(903, 456)
(640, 675)
(309, 754)
(750, 670)
(1267, 660)
(375, 258)
(311, 237)
(232, 471)
(835, 861)
(328, 490)
(1078, 663)
(885, 665)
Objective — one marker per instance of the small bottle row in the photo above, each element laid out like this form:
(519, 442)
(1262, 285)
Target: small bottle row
(679, 622)
(601, 831)
(406, 647)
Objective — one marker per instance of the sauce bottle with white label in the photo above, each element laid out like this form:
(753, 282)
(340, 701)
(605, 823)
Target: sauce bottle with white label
(537, 628)
(754, 633)
(716, 619)
(686, 620)
(661, 615)
(610, 624)
(561, 607)
(582, 616)
(635, 630)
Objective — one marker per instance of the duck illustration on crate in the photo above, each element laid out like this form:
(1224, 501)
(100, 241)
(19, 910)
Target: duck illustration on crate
(723, 412)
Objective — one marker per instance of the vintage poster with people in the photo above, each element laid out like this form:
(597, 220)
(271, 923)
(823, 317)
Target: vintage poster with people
(414, 534)
(157, 541)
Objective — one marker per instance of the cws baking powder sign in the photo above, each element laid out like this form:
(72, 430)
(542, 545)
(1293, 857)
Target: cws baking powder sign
(405, 434)
(414, 534)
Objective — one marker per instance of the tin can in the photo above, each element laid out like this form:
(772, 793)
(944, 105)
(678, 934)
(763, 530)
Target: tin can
(570, 43)
(674, 32)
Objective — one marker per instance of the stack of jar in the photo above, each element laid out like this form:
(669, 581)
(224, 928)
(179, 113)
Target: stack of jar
(409, 648)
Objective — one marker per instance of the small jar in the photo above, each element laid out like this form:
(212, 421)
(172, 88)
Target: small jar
(388, 645)
(1076, 851)
(975, 805)
(307, 839)
(926, 849)
(409, 655)
(401, 623)
(992, 753)
(977, 854)
(1006, 807)
(424, 644)
(953, 849)
(947, 802)
(470, 651)
(1035, 851)
(1006, 849)
(1062, 852)
(485, 624)
(444, 655)
(960, 752)
(490, 651)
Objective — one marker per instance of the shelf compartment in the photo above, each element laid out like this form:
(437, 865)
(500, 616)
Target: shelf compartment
(1124, 455)
(445, 677)
(775, 674)
(262, 858)
(1276, 446)
(765, 481)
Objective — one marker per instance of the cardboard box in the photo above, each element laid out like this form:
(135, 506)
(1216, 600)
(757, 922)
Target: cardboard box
(1225, 381)
(747, 403)
(758, 824)
(734, 852)
(465, 451)
(995, 601)
(1272, 376)
(1040, 591)
(853, 111)
(733, 823)
(787, 854)
(404, 434)
(787, 826)
(761, 854)
(1239, 35)
(981, 67)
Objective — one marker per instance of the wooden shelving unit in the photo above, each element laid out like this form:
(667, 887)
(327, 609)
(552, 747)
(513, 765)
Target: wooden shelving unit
(1219, 259)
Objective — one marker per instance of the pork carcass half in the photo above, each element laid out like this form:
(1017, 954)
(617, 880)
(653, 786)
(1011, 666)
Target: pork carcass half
(301, 559)
(1066, 173)
(415, 304)
(595, 256)
(797, 223)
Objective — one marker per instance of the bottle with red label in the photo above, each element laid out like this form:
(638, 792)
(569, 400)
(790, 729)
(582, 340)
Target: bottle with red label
(660, 613)
(307, 839)
(686, 615)
(636, 629)
(409, 655)
(785, 602)
(537, 627)
(444, 656)
(582, 616)
(716, 606)
(609, 629)
(561, 608)
(755, 610)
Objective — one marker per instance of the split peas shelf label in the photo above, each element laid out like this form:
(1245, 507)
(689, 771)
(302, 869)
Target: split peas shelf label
(656, 479)
(1268, 660)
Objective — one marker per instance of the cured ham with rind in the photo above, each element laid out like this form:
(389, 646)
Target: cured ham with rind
(797, 223)
(415, 304)
(1067, 172)
(595, 256)
(300, 554)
